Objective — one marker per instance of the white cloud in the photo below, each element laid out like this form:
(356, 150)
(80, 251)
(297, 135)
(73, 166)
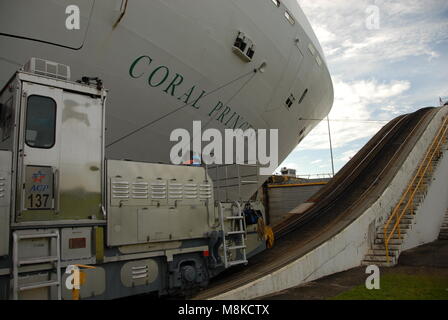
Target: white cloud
(353, 104)
(347, 155)
(410, 45)
(405, 31)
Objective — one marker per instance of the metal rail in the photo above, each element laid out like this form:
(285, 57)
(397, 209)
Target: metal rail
(415, 184)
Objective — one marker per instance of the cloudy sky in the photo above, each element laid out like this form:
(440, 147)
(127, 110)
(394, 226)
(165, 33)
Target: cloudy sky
(382, 66)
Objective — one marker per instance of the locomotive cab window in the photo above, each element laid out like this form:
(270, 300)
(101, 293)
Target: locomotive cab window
(40, 122)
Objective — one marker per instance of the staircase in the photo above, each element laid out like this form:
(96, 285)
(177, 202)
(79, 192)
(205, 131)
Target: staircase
(443, 235)
(389, 237)
(377, 255)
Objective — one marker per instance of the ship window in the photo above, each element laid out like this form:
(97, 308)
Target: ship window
(240, 42)
(250, 52)
(311, 48)
(40, 122)
(289, 17)
(289, 102)
(244, 47)
(303, 96)
(276, 3)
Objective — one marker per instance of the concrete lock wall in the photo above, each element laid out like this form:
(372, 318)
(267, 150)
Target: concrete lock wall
(347, 249)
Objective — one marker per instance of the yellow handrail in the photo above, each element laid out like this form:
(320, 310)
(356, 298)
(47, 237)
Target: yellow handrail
(421, 172)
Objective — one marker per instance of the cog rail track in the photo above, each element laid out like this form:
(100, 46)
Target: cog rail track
(357, 185)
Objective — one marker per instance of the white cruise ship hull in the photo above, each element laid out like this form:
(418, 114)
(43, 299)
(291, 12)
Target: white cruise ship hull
(169, 63)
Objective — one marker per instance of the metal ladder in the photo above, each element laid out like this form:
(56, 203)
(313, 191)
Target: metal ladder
(238, 235)
(17, 262)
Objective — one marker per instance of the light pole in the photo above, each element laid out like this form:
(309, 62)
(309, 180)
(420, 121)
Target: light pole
(331, 146)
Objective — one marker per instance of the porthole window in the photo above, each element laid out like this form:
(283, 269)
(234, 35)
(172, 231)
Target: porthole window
(276, 3)
(289, 17)
(40, 122)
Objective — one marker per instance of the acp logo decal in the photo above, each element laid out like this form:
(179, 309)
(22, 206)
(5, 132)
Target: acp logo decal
(38, 177)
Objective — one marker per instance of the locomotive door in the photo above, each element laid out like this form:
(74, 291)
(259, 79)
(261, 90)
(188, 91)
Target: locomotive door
(38, 156)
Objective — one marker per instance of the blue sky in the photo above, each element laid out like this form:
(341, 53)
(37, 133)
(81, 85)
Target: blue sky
(377, 74)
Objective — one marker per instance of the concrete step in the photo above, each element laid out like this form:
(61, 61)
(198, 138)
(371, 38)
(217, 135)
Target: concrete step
(379, 258)
(380, 246)
(417, 199)
(392, 241)
(382, 252)
(424, 183)
(402, 231)
(402, 224)
(406, 217)
(409, 212)
(403, 221)
(378, 263)
(394, 236)
(419, 194)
